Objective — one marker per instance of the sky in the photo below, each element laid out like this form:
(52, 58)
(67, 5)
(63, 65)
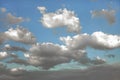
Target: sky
(59, 39)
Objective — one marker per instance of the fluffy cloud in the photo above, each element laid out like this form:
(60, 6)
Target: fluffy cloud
(60, 18)
(97, 40)
(48, 55)
(13, 48)
(3, 55)
(19, 35)
(109, 15)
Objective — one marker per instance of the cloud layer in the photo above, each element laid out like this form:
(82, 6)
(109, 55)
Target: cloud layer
(108, 72)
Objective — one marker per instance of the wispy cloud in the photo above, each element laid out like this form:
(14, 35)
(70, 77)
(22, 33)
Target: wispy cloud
(109, 15)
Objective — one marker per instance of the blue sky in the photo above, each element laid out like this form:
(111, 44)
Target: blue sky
(82, 9)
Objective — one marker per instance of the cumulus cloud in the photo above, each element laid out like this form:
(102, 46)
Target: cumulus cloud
(48, 55)
(97, 40)
(13, 48)
(3, 55)
(60, 18)
(19, 35)
(109, 15)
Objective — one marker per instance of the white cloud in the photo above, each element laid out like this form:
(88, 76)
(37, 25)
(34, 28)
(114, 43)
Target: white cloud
(109, 15)
(60, 18)
(3, 55)
(97, 40)
(20, 35)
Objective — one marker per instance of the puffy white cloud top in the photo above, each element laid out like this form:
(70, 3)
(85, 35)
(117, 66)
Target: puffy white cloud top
(97, 40)
(60, 18)
(19, 35)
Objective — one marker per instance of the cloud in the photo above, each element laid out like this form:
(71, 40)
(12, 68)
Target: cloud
(8, 19)
(18, 61)
(13, 48)
(98, 60)
(109, 15)
(108, 72)
(3, 55)
(19, 34)
(11, 19)
(17, 71)
(47, 55)
(60, 18)
(97, 40)
(2, 38)
(3, 10)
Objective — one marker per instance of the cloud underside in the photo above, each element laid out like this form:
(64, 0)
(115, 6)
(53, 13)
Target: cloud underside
(108, 72)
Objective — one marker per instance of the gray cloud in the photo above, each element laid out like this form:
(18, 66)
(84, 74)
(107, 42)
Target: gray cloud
(18, 61)
(7, 18)
(109, 15)
(108, 72)
(48, 55)
(13, 48)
